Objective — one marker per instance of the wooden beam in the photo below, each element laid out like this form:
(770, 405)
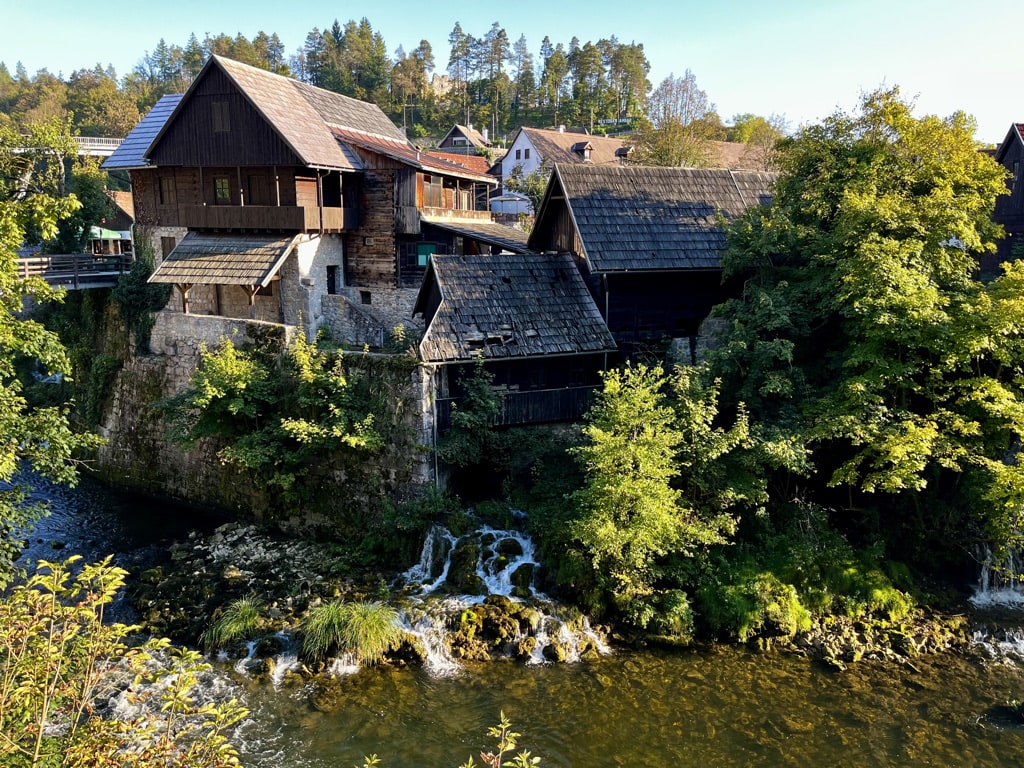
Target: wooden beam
(184, 289)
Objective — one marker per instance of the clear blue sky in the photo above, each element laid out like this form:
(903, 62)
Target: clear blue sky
(798, 58)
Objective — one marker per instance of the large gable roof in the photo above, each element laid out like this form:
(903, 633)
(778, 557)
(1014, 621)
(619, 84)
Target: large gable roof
(317, 125)
(632, 218)
(509, 306)
(557, 146)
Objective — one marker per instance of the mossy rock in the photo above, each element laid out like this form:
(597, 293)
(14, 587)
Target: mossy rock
(509, 547)
(556, 651)
(522, 577)
(525, 647)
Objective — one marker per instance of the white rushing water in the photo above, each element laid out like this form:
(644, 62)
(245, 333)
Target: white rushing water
(1000, 583)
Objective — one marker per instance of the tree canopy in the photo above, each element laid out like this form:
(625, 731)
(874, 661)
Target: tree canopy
(863, 334)
(31, 198)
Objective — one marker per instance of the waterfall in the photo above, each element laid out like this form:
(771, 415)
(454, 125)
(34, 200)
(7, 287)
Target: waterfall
(1000, 583)
(460, 578)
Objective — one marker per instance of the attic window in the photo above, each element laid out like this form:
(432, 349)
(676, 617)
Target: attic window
(526, 153)
(221, 117)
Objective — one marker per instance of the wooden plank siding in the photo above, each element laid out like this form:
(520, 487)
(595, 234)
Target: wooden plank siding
(529, 407)
(194, 139)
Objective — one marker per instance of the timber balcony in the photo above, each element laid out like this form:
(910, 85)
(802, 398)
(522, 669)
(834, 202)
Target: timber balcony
(291, 218)
(533, 406)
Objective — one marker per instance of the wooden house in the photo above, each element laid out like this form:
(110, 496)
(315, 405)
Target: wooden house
(464, 139)
(529, 318)
(1009, 210)
(270, 198)
(647, 241)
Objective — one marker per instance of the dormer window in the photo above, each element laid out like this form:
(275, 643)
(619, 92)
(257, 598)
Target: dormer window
(583, 148)
(221, 117)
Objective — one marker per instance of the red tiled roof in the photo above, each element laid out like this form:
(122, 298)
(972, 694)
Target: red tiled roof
(408, 154)
(475, 163)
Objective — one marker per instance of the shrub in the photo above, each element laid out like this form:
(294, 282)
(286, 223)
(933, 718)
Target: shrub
(62, 664)
(366, 630)
(754, 605)
(238, 621)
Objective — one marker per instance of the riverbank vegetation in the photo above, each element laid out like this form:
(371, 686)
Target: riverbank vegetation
(77, 689)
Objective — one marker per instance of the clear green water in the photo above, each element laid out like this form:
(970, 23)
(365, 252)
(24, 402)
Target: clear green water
(718, 707)
(723, 707)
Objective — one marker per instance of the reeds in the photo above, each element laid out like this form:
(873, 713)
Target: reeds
(238, 621)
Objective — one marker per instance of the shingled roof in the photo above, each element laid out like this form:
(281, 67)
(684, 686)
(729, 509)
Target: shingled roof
(508, 306)
(316, 124)
(644, 218)
(221, 259)
(131, 153)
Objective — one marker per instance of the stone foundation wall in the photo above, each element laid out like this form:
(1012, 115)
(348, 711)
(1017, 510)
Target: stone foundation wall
(353, 322)
(140, 452)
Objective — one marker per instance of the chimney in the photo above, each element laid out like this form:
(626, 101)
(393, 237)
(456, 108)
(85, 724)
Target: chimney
(470, 126)
(561, 129)
(484, 133)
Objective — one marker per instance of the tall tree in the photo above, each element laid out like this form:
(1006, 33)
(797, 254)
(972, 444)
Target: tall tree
(31, 197)
(863, 331)
(676, 133)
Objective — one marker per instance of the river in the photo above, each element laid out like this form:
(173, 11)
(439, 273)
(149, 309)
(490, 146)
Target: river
(717, 706)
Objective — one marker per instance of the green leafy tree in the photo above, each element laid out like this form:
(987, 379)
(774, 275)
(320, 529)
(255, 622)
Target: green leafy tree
(31, 198)
(277, 415)
(532, 184)
(631, 514)
(863, 332)
(61, 662)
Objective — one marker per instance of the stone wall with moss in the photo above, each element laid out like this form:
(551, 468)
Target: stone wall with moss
(141, 452)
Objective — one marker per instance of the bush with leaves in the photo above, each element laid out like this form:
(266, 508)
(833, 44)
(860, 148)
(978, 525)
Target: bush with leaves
(62, 663)
(652, 494)
(277, 415)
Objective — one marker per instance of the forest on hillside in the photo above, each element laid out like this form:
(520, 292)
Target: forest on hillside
(488, 81)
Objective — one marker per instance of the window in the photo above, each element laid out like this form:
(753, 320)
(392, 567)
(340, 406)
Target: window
(222, 190)
(423, 253)
(527, 153)
(364, 297)
(221, 117)
(519, 154)
(168, 192)
(266, 290)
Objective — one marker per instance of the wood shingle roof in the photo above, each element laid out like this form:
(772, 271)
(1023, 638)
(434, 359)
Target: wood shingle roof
(632, 218)
(508, 306)
(224, 259)
(131, 153)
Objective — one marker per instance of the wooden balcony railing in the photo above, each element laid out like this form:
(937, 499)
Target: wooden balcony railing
(295, 218)
(533, 406)
(75, 271)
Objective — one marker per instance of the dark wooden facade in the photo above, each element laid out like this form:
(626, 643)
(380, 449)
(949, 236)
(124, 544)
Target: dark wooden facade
(1009, 210)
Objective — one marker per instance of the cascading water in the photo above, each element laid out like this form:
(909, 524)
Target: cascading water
(1000, 583)
(457, 575)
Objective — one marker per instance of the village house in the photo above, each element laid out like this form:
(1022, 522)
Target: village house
(270, 199)
(1009, 210)
(465, 140)
(647, 242)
